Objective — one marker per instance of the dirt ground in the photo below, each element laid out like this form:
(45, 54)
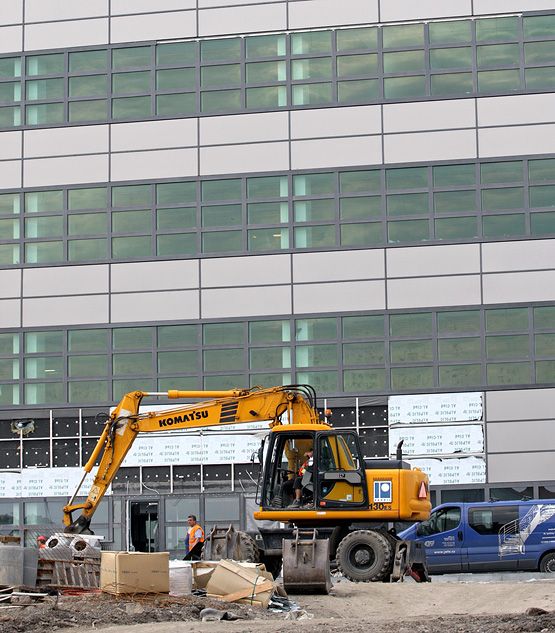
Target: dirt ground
(350, 608)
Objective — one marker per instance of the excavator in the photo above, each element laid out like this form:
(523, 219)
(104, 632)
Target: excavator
(313, 479)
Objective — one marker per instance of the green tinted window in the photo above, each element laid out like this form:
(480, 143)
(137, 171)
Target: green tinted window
(408, 231)
(407, 178)
(313, 210)
(88, 340)
(9, 344)
(460, 375)
(131, 247)
(544, 318)
(166, 105)
(132, 57)
(450, 32)
(132, 338)
(96, 110)
(131, 196)
(87, 224)
(224, 49)
(131, 108)
(358, 91)
(44, 367)
(39, 201)
(176, 54)
(39, 342)
(366, 234)
(498, 80)
(313, 184)
(129, 83)
(177, 362)
(316, 329)
(545, 371)
(456, 228)
(539, 78)
(270, 357)
(506, 172)
(508, 374)
(44, 114)
(266, 72)
(399, 87)
(176, 79)
(10, 67)
(407, 204)
(405, 35)
(322, 381)
(221, 189)
(454, 175)
(507, 320)
(452, 84)
(10, 116)
(132, 221)
(223, 333)
(265, 46)
(544, 344)
(9, 203)
(45, 64)
(504, 225)
(359, 181)
(405, 378)
(404, 61)
(461, 322)
(44, 252)
(267, 187)
(357, 39)
(316, 355)
(410, 351)
(307, 94)
(269, 331)
(363, 353)
(353, 65)
(448, 58)
(539, 26)
(176, 218)
(497, 29)
(84, 250)
(88, 61)
(222, 241)
(357, 380)
(134, 364)
(453, 349)
(360, 207)
(315, 236)
(170, 336)
(506, 347)
(214, 76)
(10, 92)
(221, 215)
(90, 365)
(311, 43)
(176, 193)
(539, 52)
(416, 324)
(45, 89)
(88, 86)
(499, 199)
(449, 201)
(542, 223)
(274, 96)
(363, 327)
(90, 198)
(219, 100)
(315, 68)
(267, 213)
(498, 55)
(542, 196)
(541, 170)
(176, 244)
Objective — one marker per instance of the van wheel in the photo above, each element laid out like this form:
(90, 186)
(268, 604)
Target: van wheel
(547, 563)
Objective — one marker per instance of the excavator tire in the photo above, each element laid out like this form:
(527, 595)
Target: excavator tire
(365, 556)
(247, 549)
(273, 564)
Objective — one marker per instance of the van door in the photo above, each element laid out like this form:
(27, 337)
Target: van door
(534, 534)
(483, 538)
(442, 536)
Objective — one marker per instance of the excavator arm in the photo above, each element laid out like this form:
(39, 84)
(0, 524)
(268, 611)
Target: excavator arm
(223, 408)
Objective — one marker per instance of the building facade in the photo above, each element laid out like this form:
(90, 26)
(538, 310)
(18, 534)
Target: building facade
(194, 194)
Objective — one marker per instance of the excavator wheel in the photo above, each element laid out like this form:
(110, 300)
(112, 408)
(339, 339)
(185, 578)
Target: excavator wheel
(365, 556)
(247, 549)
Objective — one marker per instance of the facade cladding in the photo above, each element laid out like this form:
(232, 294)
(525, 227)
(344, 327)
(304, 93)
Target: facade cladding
(202, 194)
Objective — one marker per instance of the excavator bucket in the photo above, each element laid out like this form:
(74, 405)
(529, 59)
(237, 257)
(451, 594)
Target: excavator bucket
(221, 543)
(306, 563)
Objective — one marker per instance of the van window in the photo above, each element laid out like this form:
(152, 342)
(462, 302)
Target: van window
(491, 520)
(440, 521)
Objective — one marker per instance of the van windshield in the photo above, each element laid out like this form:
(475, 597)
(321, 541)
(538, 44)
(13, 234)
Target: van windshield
(441, 520)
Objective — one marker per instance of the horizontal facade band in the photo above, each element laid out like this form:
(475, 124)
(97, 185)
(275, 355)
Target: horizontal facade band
(51, 23)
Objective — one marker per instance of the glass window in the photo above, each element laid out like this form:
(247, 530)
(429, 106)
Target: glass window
(267, 187)
(221, 215)
(491, 520)
(88, 86)
(366, 234)
(132, 196)
(401, 87)
(221, 190)
(539, 170)
(267, 239)
(315, 236)
(316, 329)
(314, 68)
(44, 367)
(311, 43)
(269, 331)
(166, 105)
(270, 358)
(314, 210)
(460, 375)
(454, 175)
(408, 231)
(450, 58)
(544, 344)
(313, 184)
(223, 333)
(45, 64)
(544, 318)
(9, 344)
(452, 84)
(506, 172)
(131, 57)
(94, 198)
(416, 324)
(306, 94)
(218, 100)
(81, 250)
(410, 351)
(460, 322)
(44, 226)
(363, 327)
(542, 196)
(214, 76)
(44, 393)
(10, 117)
(9, 513)
(9, 203)
(545, 371)
(456, 228)
(88, 340)
(357, 380)
(359, 181)
(171, 336)
(357, 39)
(404, 378)
(407, 204)
(403, 62)
(452, 349)
(363, 353)
(132, 338)
(360, 207)
(453, 201)
(44, 114)
(504, 225)
(405, 35)
(539, 78)
(44, 252)
(442, 520)
(222, 49)
(539, 53)
(216, 360)
(322, 381)
(10, 67)
(40, 201)
(133, 364)
(88, 61)
(88, 391)
(96, 110)
(265, 46)
(266, 72)
(176, 54)
(177, 362)
(506, 347)
(38, 342)
(498, 55)
(10, 92)
(9, 229)
(131, 221)
(358, 91)
(497, 29)
(176, 218)
(176, 193)
(130, 83)
(222, 241)
(498, 80)
(507, 320)
(456, 32)
(539, 26)
(90, 365)
(274, 96)
(9, 254)
(499, 199)
(131, 108)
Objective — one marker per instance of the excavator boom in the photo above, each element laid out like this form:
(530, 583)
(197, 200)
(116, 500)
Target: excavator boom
(223, 408)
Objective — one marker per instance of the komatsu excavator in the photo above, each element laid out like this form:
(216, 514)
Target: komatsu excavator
(312, 477)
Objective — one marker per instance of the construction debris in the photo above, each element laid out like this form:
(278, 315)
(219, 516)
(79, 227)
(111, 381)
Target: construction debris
(69, 561)
(135, 572)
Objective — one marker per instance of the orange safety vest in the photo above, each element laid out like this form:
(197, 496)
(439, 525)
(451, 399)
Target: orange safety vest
(193, 540)
(307, 464)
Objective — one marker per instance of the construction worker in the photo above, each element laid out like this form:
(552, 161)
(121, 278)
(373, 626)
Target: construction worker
(194, 539)
(41, 542)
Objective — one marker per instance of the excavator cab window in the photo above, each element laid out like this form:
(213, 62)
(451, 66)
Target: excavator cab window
(340, 477)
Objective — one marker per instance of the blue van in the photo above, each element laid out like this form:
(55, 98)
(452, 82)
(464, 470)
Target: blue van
(494, 536)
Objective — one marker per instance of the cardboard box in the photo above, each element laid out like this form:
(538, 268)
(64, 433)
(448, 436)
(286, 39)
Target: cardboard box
(241, 582)
(135, 572)
(202, 570)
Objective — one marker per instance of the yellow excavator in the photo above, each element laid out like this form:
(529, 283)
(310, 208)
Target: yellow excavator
(312, 478)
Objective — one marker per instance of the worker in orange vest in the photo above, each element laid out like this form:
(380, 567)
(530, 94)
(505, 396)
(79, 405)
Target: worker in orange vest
(194, 539)
(41, 542)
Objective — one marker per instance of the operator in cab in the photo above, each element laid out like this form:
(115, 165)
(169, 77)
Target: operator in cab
(194, 539)
(297, 483)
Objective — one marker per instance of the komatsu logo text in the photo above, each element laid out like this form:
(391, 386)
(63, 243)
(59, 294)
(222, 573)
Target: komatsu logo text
(178, 419)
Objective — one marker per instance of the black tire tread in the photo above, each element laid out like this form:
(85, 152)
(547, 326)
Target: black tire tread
(247, 548)
(545, 559)
(381, 545)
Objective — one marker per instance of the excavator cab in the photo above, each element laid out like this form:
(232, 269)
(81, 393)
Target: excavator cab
(326, 465)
